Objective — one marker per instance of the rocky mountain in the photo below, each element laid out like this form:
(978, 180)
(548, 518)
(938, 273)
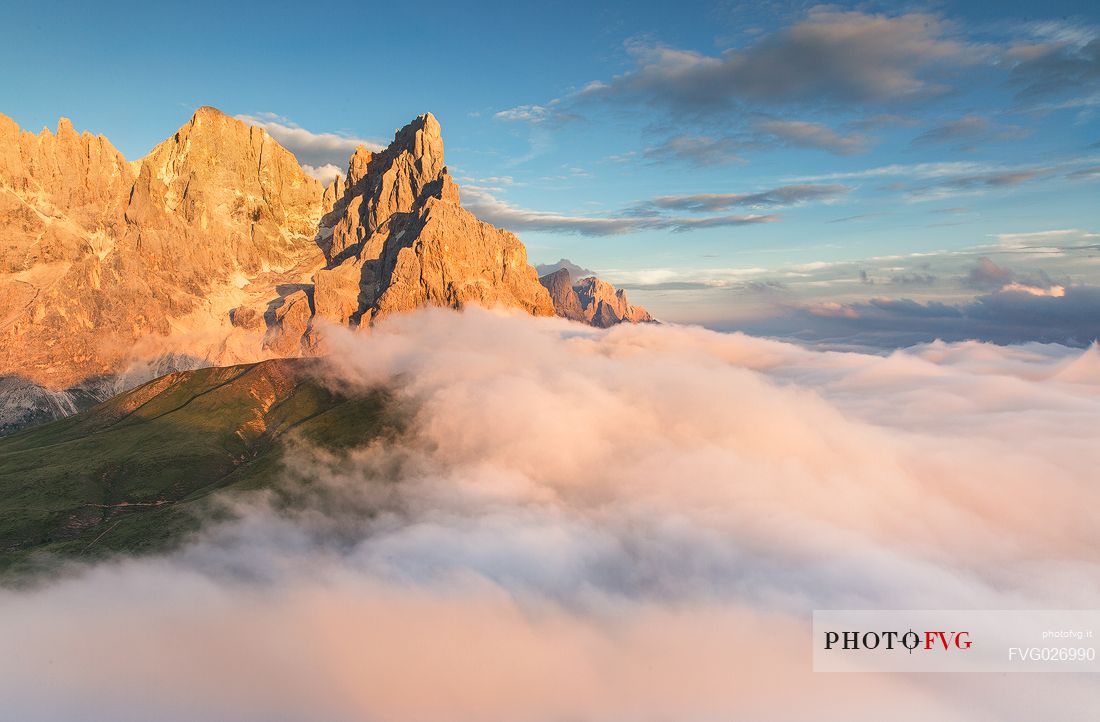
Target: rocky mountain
(397, 238)
(217, 248)
(109, 268)
(591, 300)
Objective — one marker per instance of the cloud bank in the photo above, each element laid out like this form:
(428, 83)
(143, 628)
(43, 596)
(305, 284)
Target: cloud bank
(1023, 309)
(627, 524)
(829, 56)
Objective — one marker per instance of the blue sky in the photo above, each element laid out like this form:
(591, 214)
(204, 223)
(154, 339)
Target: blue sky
(726, 162)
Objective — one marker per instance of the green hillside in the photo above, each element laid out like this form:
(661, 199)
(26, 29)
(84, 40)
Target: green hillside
(135, 472)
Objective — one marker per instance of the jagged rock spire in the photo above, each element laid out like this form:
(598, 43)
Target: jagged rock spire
(399, 239)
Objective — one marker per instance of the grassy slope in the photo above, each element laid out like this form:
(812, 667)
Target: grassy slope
(133, 472)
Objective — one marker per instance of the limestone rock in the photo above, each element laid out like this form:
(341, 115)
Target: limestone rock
(61, 195)
(245, 317)
(216, 248)
(400, 239)
(219, 195)
(604, 305)
(290, 325)
(100, 256)
(567, 303)
(591, 301)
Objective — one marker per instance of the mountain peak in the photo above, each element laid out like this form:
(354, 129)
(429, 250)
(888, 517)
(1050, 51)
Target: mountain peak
(591, 300)
(423, 140)
(65, 127)
(399, 238)
(426, 122)
(208, 111)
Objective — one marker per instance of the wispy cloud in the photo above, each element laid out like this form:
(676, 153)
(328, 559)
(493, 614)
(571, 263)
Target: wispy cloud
(940, 180)
(679, 224)
(1061, 238)
(805, 134)
(1062, 60)
(858, 217)
(789, 195)
(321, 154)
(913, 170)
(699, 150)
(968, 184)
(856, 63)
(968, 131)
(488, 207)
(535, 114)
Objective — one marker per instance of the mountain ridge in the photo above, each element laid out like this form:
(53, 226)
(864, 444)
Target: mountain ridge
(217, 248)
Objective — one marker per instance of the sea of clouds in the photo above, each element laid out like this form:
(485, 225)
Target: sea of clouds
(577, 524)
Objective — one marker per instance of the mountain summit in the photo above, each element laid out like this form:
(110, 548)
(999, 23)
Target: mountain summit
(397, 238)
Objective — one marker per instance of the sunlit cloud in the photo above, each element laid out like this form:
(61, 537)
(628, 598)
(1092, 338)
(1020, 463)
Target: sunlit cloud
(717, 488)
(321, 152)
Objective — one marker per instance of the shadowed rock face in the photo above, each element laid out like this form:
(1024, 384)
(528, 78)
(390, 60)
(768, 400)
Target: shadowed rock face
(567, 303)
(591, 300)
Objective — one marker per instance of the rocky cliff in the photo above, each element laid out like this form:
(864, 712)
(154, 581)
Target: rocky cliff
(395, 237)
(591, 300)
(399, 238)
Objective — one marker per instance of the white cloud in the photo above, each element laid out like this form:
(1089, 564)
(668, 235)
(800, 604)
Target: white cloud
(648, 519)
(325, 173)
(1051, 291)
(1059, 238)
(534, 114)
(526, 113)
(316, 150)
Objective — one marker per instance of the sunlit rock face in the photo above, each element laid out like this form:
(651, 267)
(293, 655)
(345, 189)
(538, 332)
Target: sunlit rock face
(218, 248)
(101, 255)
(399, 239)
(222, 196)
